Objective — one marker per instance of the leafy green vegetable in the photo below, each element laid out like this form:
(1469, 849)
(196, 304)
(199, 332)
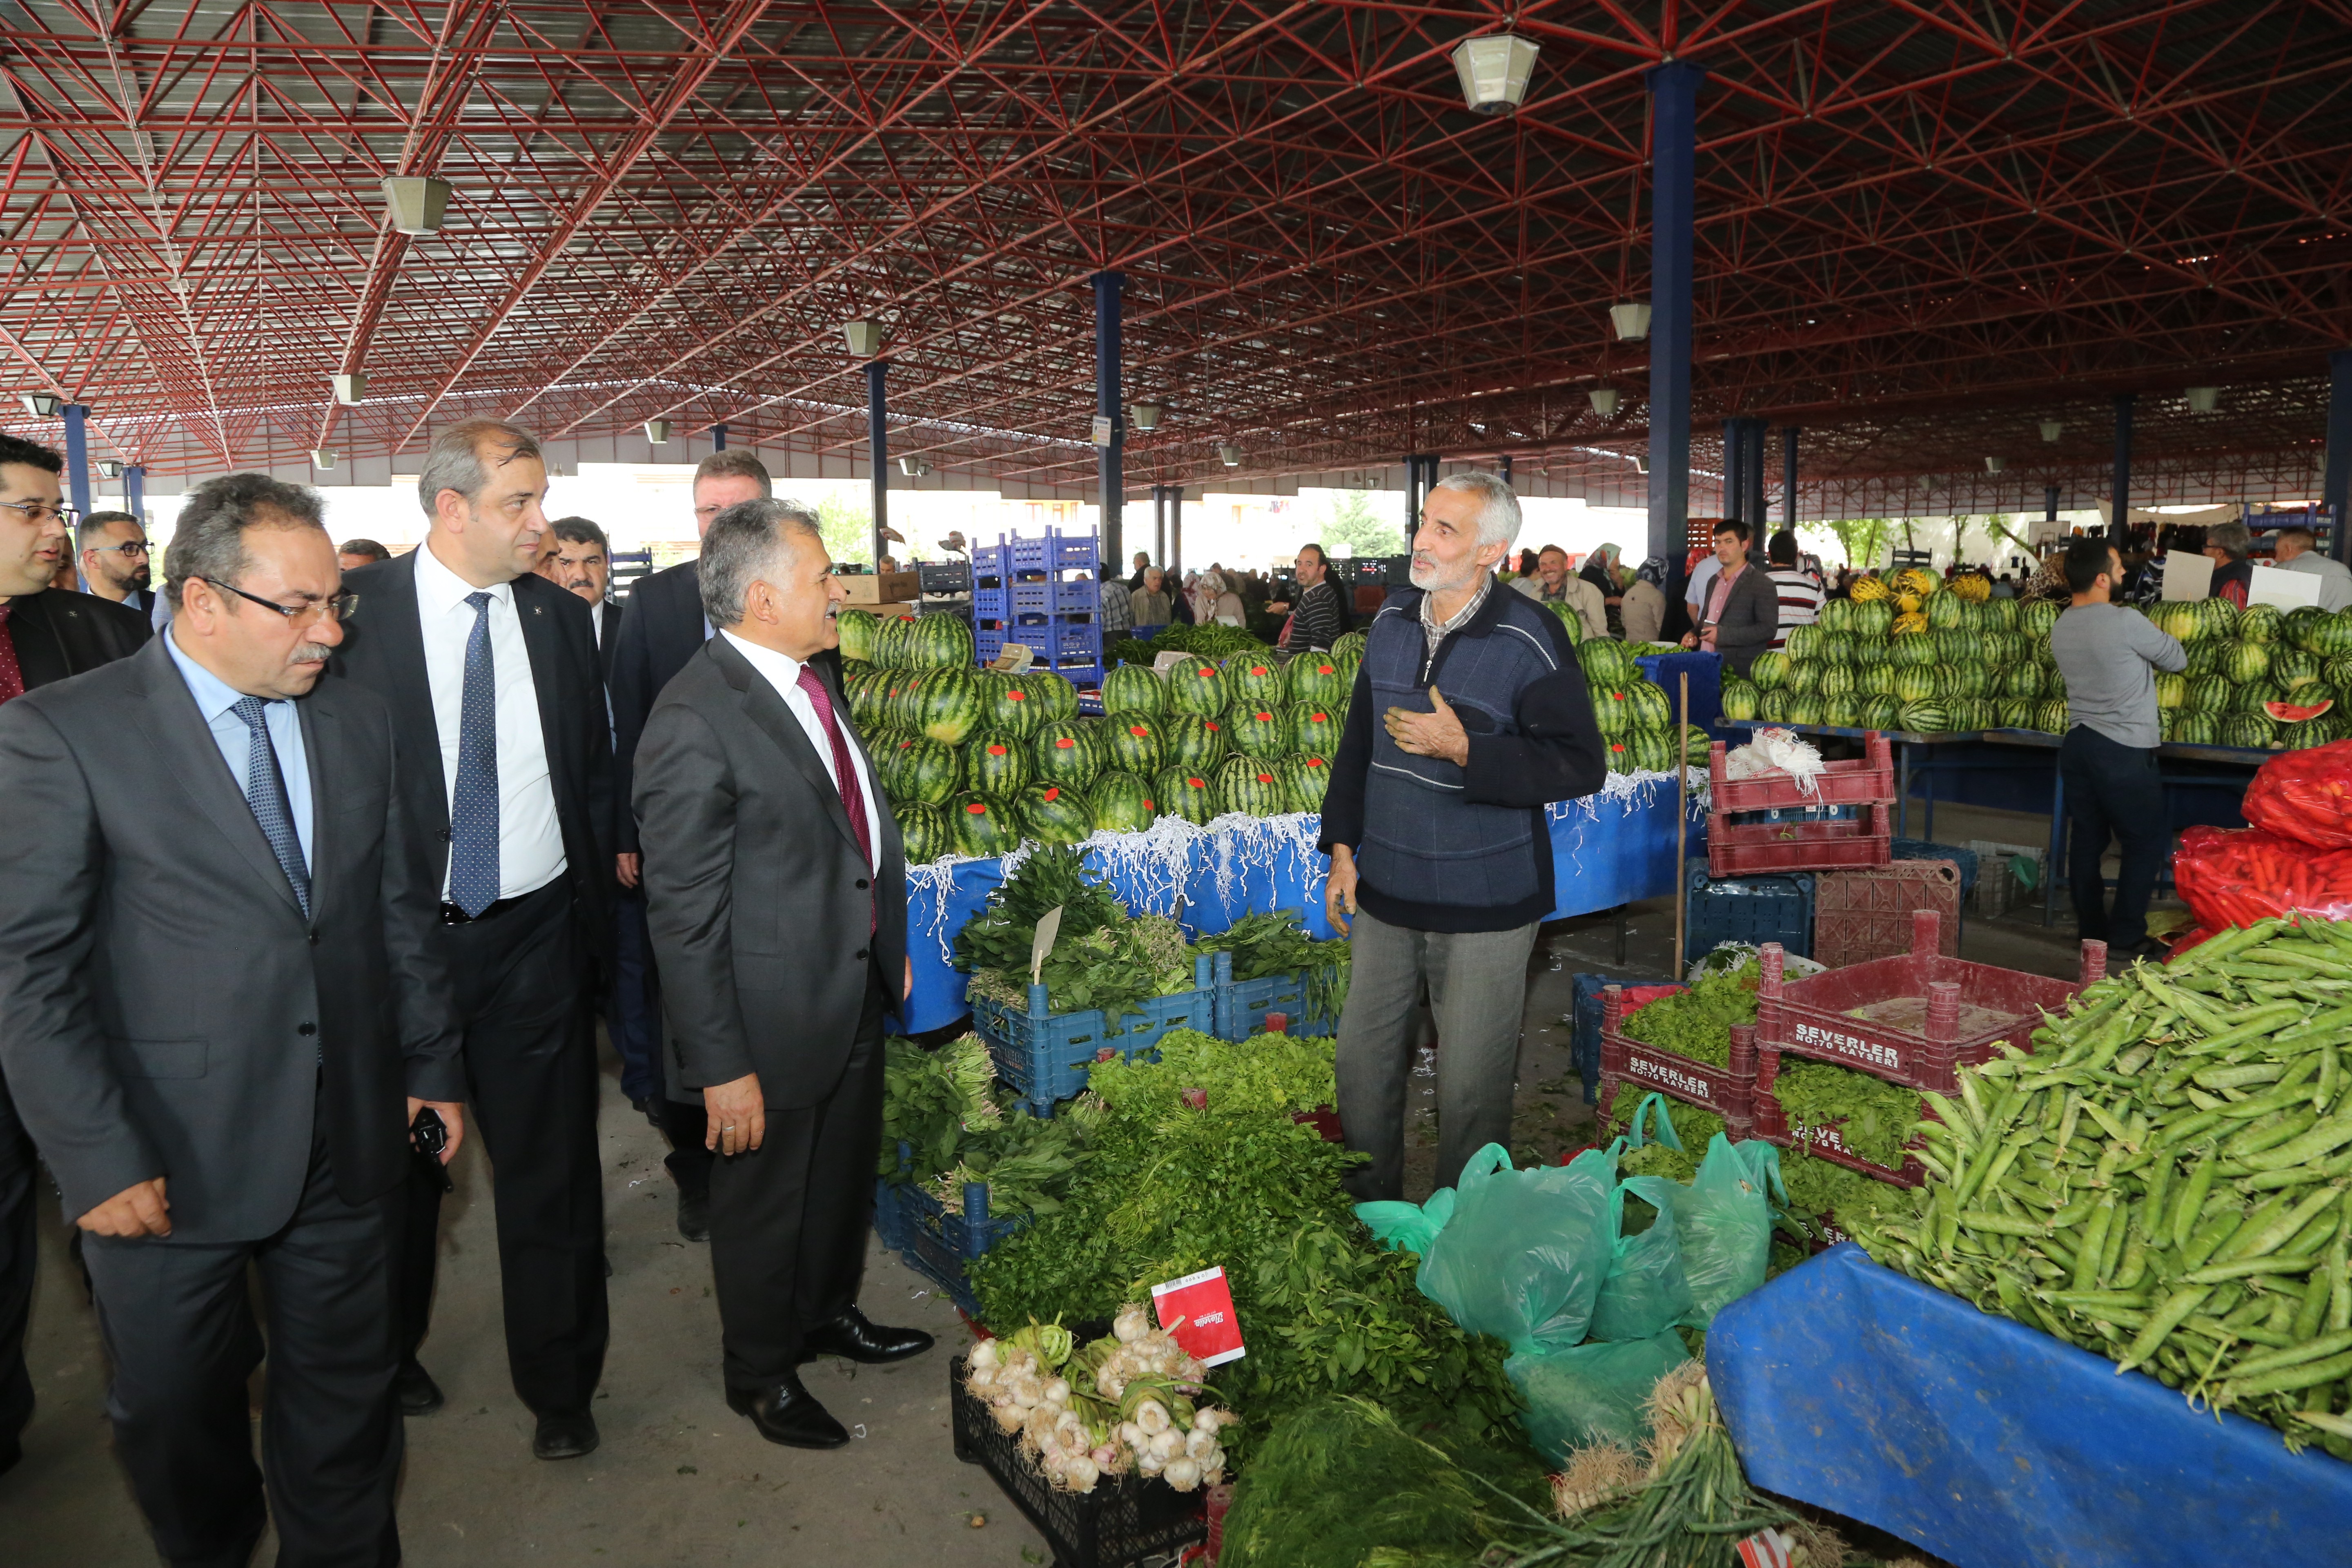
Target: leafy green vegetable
(1697, 1023)
(1275, 942)
(929, 1099)
(1280, 1072)
(1878, 1115)
(1819, 1188)
(1028, 1164)
(1212, 641)
(1114, 967)
(1000, 935)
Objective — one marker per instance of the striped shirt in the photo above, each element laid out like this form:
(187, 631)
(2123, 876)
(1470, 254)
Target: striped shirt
(1800, 600)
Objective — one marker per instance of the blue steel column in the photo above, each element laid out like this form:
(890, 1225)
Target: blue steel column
(2119, 524)
(1673, 151)
(1111, 459)
(134, 494)
(1789, 477)
(2336, 487)
(877, 450)
(1751, 473)
(719, 438)
(1735, 453)
(77, 455)
(1503, 467)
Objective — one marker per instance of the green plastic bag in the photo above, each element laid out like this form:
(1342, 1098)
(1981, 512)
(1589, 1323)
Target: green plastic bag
(1525, 1255)
(1724, 1222)
(1591, 1394)
(1408, 1228)
(1647, 1289)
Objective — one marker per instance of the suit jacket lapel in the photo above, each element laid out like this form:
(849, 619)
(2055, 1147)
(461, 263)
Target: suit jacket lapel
(769, 711)
(320, 735)
(391, 611)
(193, 756)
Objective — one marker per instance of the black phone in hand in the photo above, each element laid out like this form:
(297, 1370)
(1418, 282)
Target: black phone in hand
(429, 1137)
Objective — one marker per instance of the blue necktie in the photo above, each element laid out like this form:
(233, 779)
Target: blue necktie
(265, 792)
(474, 808)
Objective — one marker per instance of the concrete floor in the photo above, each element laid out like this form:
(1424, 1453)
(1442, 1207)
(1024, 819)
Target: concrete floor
(679, 1478)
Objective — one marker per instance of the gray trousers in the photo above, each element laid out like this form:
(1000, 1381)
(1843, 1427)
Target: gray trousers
(1478, 991)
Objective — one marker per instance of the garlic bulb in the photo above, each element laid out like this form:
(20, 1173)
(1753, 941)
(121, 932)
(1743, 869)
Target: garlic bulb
(1131, 1324)
(1148, 1463)
(1152, 1416)
(983, 1354)
(1008, 1416)
(1183, 1473)
(1200, 1443)
(1080, 1473)
(1058, 1391)
(1168, 1443)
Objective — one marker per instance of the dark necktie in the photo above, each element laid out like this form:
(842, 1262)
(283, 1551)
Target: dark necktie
(844, 771)
(474, 807)
(11, 674)
(265, 792)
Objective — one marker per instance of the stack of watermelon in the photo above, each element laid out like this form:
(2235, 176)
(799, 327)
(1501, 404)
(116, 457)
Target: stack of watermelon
(2256, 678)
(1636, 715)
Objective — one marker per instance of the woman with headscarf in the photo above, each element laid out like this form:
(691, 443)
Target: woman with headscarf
(1601, 570)
(1644, 610)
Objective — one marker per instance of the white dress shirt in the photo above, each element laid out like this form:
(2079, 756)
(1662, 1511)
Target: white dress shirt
(530, 840)
(783, 672)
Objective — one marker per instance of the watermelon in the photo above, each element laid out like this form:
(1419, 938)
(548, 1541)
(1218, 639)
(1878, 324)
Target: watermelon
(996, 763)
(1739, 697)
(1837, 616)
(1871, 619)
(2337, 672)
(2261, 622)
(2319, 732)
(2218, 617)
(1007, 707)
(2021, 680)
(1804, 708)
(1926, 718)
(2250, 730)
(1052, 693)
(938, 642)
(2178, 619)
(2245, 661)
(2000, 615)
(2307, 628)
(1946, 611)
(2204, 659)
(1255, 677)
(1055, 813)
(1122, 803)
(2190, 728)
(1653, 754)
(1065, 754)
(1194, 743)
(1133, 688)
(2038, 617)
(1255, 729)
(1804, 643)
(1838, 680)
(1195, 686)
(1617, 751)
(1803, 678)
(1842, 711)
(1348, 646)
(1313, 731)
(2050, 716)
(1131, 743)
(1771, 707)
(2207, 694)
(1879, 714)
(2294, 712)
(2250, 699)
(1876, 679)
(1970, 679)
(1186, 792)
(856, 628)
(923, 829)
(982, 827)
(1613, 710)
(1607, 662)
(1770, 671)
(2053, 683)
(2293, 668)
(1917, 684)
(865, 691)
(2171, 690)
(924, 771)
(890, 634)
(1305, 777)
(946, 705)
(1565, 613)
(1650, 706)
(1315, 677)
(1253, 786)
(1696, 745)
(2013, 712)
(1912, 652)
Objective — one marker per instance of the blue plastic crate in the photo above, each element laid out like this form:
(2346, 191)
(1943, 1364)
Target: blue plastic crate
(992, 603)
(1243, 1005)
(1920, 849)
(1754, 910)
(1045, 1055)
(1054, 552)
(1081, 597)
(933, 1242)
(1584, 1026)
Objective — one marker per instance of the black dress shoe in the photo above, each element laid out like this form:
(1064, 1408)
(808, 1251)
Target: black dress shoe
(564, 1437)
(417, 1393)
(850, 1335)
(786, 1413)
(694, 1215)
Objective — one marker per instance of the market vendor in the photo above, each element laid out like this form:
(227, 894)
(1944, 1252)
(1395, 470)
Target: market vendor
(2109, 656)
(1553, 583)
(2298, 551)
(1742, 612)
(1470, 712)
(2227, 545)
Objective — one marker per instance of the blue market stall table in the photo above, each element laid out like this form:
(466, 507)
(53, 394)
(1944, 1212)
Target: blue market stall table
(1611, 848)
(1665, 671)
(1992, 1445)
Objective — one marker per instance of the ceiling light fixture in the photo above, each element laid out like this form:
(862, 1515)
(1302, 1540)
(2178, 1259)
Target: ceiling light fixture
(39, 405)
(657, 432)
(109, 467)
(1604, 401)
(1495, 69)
(1995, 465)
(351, 390)
(1229, 453)
(416, 203)
(864, 338)
(2051, 429)
(2202, 399)
(322, 457)
(1631, 320)
(1144, 415)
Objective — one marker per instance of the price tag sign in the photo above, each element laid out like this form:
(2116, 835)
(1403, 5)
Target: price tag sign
(1198, 1309)
(1104, 432)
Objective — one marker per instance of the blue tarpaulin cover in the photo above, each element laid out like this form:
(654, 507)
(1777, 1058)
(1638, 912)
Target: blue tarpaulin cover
(1994, 1446)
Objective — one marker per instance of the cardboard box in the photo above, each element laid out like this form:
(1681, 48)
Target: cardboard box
(888, 588)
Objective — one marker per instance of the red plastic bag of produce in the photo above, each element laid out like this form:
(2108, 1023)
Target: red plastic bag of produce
(2306, 795)
(2234, 877)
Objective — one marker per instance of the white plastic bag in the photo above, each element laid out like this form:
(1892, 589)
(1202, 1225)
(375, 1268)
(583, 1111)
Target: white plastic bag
(1775, 751)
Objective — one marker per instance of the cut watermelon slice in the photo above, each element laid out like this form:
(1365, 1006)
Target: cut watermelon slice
(2295, 713)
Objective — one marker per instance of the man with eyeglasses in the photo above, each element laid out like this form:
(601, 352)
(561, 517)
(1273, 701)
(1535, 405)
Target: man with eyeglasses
(46, 633)
(221, 1009)
(113, 549)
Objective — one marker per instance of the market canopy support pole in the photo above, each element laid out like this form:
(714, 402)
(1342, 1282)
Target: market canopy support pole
(1110, 455)
(2049, 504)
(1751, 473)
(1173, 582)
(877, 451)
(2119, 522)
(134, 492)
(77, 455)
(1503, 467)
(1734, 452)
(1789, 477)
(2336, 488)
(1673, 154)
(719, 438)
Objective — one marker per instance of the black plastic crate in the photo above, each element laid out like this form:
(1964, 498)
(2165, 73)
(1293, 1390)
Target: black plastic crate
(1584, 1026)
(1753, 910)
(1125, 1521)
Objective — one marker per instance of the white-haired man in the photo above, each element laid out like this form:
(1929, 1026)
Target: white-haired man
(2298, 551)
(1470, 713)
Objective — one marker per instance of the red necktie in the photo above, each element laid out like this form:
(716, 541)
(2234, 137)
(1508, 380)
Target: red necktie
(845, 771)
(11, 674)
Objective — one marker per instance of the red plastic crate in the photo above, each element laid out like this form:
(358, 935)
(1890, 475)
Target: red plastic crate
(1747, 848)
(1722, 1090)
(1773, 1126)
(1924, 1016)
(1862, 915)
(1868, 780)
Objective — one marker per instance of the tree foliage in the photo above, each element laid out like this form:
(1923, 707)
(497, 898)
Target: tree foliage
(1349, 525)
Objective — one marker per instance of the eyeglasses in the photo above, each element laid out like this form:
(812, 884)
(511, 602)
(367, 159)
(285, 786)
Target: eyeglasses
(41, 511)
(338, 607)
(133, 547)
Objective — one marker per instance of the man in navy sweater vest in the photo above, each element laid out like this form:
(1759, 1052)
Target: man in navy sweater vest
(1470, 713)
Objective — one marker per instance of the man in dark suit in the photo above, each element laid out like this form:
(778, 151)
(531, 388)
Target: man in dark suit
(490, 673)
(581, 565)
(111, 550)
(664, 629)
(46, 635)
(223, 1012)
(776, 890)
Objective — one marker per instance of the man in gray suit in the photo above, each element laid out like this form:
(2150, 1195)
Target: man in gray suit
(222, 1016)
(775, 890)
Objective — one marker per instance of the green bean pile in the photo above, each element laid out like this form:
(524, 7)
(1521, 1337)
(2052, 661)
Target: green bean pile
(2163, 1182)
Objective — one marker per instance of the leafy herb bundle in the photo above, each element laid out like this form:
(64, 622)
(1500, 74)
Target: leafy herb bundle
(1275, 942)
(1697, 1023)
(930, 1100)
(1819, 1188)
(1279, 1072)
(1116, 967)
(1000, 935)
(1878, 1115)
(1028, 1164)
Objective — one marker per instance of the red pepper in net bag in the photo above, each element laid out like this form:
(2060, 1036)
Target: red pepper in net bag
(2237, 876)
(2306, 795)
